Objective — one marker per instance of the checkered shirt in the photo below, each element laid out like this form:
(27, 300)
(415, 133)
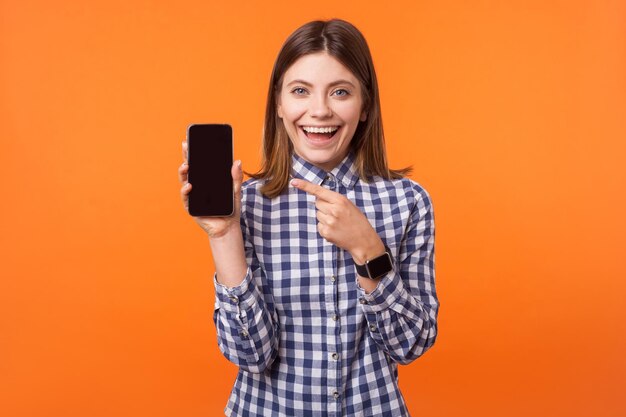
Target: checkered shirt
(306, 337)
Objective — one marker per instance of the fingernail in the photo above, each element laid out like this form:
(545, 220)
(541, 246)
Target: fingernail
(295, 183)
(238, 163)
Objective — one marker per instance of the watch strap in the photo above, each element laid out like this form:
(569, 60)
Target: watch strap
(365, 270)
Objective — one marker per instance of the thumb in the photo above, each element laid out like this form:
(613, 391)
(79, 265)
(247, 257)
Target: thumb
(237, 174)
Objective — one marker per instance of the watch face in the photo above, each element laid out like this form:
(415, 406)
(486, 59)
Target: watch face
(378, 267)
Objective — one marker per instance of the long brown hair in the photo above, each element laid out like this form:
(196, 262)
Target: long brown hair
(345, 43)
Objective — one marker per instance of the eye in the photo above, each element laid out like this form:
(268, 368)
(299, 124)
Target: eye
(341, 92)
(298, 91)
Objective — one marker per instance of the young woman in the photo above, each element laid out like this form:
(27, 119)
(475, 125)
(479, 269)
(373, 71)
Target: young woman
(325, 273)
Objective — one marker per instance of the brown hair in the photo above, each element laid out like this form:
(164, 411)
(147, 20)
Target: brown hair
(344, 42)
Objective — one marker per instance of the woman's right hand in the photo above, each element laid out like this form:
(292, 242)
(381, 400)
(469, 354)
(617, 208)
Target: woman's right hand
(215, 227)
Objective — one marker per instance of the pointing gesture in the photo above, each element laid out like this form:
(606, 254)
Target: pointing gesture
(340, 222)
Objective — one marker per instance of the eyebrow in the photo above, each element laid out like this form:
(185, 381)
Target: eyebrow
(308, 84)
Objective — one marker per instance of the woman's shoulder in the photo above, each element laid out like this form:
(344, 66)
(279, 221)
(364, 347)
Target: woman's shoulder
(403, 186)
(251, 191)
(252, 183)
(252, 187)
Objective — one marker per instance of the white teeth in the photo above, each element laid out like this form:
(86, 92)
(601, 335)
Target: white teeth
(313, 129)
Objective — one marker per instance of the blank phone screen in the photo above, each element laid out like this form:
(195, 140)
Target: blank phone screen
(210, 148)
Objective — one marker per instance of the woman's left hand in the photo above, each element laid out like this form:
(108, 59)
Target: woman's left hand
(340, 222)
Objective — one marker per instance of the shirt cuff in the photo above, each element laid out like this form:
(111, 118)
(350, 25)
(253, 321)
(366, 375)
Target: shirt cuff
(235, 299)
(389, 290)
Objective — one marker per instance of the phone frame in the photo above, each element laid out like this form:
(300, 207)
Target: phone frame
(232, 156)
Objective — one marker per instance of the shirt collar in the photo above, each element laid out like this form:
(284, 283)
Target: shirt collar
(345, 172)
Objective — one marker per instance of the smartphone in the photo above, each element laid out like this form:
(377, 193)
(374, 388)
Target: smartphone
(210, 158)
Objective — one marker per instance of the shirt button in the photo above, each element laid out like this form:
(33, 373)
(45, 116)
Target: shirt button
(336, 394)
(362, 301)
(244, 334)
(335, 356)
(233, 299)
(335, 317)
(333, 278)
(372, 327)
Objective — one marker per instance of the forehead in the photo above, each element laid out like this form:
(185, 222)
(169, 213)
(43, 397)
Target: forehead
(318, 68)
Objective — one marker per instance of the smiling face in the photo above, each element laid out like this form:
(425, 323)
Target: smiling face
(320, 103)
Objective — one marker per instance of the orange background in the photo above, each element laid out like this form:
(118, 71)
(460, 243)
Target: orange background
(512, 114)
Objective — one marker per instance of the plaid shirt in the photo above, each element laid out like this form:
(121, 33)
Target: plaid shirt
(307, 338)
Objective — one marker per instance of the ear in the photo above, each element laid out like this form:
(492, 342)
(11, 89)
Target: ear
(363, 116)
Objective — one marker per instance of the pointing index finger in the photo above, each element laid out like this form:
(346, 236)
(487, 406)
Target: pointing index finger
(313, 189)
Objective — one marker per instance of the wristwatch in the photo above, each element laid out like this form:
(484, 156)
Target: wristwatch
(376, 267)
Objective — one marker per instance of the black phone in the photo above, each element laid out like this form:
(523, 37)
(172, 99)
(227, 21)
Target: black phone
(210, 158)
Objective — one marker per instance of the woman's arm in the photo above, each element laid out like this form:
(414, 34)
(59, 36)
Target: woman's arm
(402, 310)
(247, 331)
(247, 326)
(224, 232)
(400, 307)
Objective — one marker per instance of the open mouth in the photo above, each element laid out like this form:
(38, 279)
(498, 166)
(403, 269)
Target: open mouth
(319, 132)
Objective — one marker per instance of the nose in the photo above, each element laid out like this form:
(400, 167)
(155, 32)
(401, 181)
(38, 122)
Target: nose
(320, 107)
